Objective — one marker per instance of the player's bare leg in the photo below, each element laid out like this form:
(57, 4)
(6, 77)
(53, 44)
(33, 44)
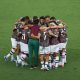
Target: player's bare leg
(50, 64)
(18, 51)
(63, 57)
(18, 61)
(46, 61)
(42, 61)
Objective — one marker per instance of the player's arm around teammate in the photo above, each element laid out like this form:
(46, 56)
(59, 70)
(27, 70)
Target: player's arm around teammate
(44, 48)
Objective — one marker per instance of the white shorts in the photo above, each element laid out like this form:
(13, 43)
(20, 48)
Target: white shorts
(62, 45)
(14, 43)
(44, 50)
(24, 47)
(54, 48)
(23, 56)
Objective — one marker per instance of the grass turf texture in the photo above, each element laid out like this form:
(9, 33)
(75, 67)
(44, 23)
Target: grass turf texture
(67, 10)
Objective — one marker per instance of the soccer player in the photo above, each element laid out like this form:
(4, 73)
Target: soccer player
(14, 45)
(54, 32)
(44, 49)
(15, 39)
(63, 43)
(47, 20)
(41, 21)
(24, 53)
(20, 30)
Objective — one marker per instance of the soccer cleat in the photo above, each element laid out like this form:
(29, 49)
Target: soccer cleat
(56, 68)
(24, 64)
(31, 67)
(53, 67)
(65, 62)
(5, 58)
(60, 63)
(42, 68)
(50, 66)
(35, 66)
(46, 69)
(62, 66)
(17, 64)
(13, 60)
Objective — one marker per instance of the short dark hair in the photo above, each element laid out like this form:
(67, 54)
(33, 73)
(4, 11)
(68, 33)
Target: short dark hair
(36, 21)
(47, 16)
(35, 17)
(52, 18)
(42, 17)
(25, 18)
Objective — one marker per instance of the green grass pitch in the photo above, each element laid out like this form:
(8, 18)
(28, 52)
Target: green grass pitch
(67, 10)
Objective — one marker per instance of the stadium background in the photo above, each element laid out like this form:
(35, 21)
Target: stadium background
(67, 10)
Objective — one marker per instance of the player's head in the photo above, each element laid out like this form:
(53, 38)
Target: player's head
(25, 19)
(42, 20)
(42, 17)
(47, 19)
(36, 21)
(34, 18)
(52, 18)
(59, 22)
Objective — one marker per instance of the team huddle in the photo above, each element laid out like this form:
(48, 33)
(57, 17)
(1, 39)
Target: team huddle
(43, 37)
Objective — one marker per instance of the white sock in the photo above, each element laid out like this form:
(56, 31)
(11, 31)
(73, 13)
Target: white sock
(10, 53)
(50, 65)
(23, 63)
(42, 64)
(12, 57)
(63, 58)
(56, 61)
(18, 57)
(53, 64)
(46, 64)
